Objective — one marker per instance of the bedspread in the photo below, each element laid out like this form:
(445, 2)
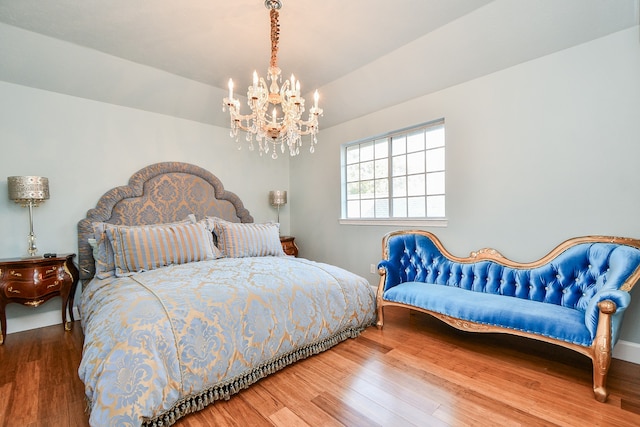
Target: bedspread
(167, 342)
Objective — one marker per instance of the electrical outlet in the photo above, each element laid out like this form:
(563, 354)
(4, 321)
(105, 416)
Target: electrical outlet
(373, 269)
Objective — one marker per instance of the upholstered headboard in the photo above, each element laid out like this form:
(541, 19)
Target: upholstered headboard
(160, 193)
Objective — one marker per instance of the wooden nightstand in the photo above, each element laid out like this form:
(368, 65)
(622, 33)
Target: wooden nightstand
(288, 245)
(32, 281)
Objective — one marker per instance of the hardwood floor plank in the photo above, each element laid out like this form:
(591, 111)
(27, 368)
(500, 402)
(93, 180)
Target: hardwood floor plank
(298, 398)
(260, 398)
(284, 417)
(373, 383)
(360, 396)
(6, 391)
(342, 412)
(23, 409)
(243, 413)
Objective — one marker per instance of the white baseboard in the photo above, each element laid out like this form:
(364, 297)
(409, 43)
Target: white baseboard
(628, 351)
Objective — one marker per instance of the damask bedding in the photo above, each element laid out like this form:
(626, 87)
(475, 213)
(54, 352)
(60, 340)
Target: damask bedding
(163, 343)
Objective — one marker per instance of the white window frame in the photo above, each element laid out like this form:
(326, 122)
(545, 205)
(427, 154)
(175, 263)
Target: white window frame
(388, 199)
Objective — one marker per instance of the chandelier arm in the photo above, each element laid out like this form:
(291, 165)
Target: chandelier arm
(247, 117)
(312, 122)
(308, 131)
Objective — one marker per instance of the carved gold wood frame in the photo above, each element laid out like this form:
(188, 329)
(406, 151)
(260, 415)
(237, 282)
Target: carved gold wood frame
(600, 350)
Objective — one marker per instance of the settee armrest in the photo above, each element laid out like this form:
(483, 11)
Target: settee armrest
(621, 299)
(391, 273)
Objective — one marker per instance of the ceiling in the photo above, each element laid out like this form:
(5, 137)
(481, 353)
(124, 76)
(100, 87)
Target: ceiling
(326, 43)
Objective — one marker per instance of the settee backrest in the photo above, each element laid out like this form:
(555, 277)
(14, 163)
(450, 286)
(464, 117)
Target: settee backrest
(569, 276)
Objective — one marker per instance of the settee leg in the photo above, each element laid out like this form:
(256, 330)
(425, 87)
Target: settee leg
(600, 370)
(602, 350)
(380, 321)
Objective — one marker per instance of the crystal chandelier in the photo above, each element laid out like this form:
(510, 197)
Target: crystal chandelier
(276, 111)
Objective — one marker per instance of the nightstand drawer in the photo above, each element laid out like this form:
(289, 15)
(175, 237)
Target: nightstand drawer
(33, 282)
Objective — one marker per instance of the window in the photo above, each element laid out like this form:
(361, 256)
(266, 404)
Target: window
(398, 176)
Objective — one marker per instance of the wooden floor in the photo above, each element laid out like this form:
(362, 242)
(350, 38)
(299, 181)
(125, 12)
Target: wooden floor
(417, 371)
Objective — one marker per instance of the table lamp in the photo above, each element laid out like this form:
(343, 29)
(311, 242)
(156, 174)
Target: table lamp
(278, 198)
(29, 191)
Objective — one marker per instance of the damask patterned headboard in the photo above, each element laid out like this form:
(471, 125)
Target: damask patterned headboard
(160, 193)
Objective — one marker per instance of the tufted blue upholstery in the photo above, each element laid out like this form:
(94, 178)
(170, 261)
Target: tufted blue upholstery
(575, 279)
(571, 280)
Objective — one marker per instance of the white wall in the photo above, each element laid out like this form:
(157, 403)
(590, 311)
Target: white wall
(536, 153)
(85, 148)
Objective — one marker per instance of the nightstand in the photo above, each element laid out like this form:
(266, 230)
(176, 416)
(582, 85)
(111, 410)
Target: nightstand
(288, 245)
(33, 281)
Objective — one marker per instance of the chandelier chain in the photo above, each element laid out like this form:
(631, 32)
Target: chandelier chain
(275, 37)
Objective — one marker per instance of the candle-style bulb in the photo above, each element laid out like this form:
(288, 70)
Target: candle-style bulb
(230, 89)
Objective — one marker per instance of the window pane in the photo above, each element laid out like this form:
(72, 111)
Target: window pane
(366, 189)
(400, 186)
(398, 145)
(366, 152)
(353, 209)
(416, 185)
(435, 206)
(353, 173)
(415, 142)
(353, 154)
(367, 209)
(435, 160)
(415, 163)
(382, 188)
(435, 137)
(382, 208)
(399, 165)
(382, 168)
(382, 149)
(366, 170)
(435, 183)
(400, 208)
(417, 208)
(353, 191)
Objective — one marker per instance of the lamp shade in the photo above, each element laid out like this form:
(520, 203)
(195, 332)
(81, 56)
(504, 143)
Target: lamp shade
(28, 188)
(277, 197)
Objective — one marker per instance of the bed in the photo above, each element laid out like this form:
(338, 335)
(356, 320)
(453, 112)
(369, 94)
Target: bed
(175, 318)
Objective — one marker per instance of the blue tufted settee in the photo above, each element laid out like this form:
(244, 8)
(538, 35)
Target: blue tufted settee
(574, 297)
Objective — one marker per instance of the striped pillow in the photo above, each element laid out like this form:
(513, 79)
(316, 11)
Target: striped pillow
(237, 240)
(145, 248)
(103, 251)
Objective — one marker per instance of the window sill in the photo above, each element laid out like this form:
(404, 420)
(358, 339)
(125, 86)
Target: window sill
(440, 222)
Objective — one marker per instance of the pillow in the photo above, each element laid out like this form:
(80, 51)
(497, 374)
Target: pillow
(237, 240)
(145, 248)
(103, 251)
